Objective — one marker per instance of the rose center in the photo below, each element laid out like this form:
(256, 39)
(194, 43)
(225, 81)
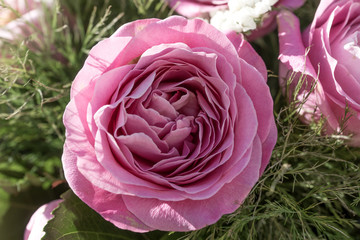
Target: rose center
(184, 102)
(181, 111)
(6, 16)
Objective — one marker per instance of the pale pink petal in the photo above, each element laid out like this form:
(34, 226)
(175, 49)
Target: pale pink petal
(247, 53)
(259, 93)
(35, 227)
(292, 50)
(100, 58)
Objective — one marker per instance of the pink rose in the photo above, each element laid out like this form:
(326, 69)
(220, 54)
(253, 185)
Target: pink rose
(21, 18)
(333, 60)
(169, 125)
(34, 229)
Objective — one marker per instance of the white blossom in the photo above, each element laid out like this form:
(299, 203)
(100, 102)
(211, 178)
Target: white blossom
(241, 15)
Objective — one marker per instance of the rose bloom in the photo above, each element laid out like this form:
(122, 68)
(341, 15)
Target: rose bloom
(242, 16)
(21, 18)
(332, 62)
(34, 229)
(169, 126)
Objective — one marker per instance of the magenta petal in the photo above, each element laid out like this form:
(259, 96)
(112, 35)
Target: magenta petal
(246, 117)
(260, 97)
(292, 50)
(148, 149)
(247, 53)
(327, 72)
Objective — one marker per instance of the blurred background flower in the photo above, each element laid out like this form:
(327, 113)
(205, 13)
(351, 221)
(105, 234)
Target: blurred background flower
(21, 19)
(326, 57)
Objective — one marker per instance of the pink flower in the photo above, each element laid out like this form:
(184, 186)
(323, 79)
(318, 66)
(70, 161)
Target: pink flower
(333, 61)
(34, 229)
(22, 18)
(169, 125)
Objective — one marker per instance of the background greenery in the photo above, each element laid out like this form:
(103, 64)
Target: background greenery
(310, 190)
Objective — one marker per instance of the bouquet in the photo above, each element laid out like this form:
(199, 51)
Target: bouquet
(179, 119)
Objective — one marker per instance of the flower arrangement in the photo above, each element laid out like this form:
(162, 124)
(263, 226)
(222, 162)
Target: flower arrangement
(124, 120)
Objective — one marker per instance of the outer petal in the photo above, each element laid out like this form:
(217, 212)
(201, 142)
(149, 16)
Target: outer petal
(100, 58)
(104, 53)
(194, 33)
(292, 49)
(110, 206)
(247, 53)
(131, 29)
(260, 94)
(324, 10)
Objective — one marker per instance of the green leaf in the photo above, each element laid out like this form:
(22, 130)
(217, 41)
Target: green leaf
(75, 220)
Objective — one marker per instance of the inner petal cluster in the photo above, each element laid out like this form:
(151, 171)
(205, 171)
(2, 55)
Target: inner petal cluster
(171, 118)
